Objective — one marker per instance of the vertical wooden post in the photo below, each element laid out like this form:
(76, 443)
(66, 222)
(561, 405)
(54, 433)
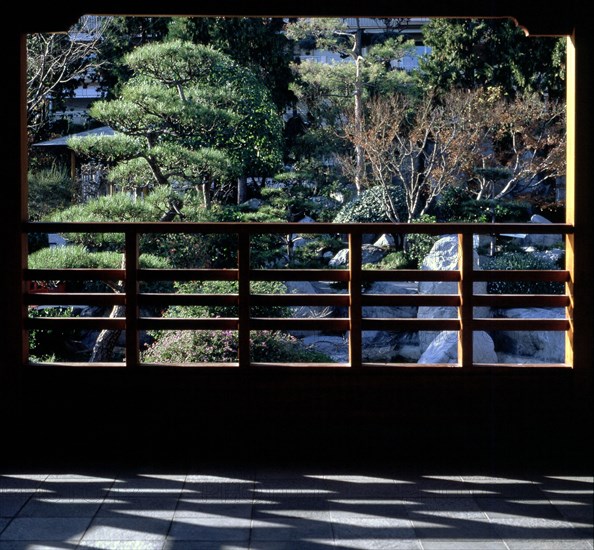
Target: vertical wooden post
(21, 215)
(131, 260)
(355, 308)
(465, 290)
(570, 194)
(243, 266)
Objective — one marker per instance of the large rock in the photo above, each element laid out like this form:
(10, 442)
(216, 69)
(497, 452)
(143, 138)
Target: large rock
(304, 312)
(444, 257)
(336, 347)
(444, 349)
(383, 345)
(385, 241)
(539, 346)
(370, 255)
(542, 241)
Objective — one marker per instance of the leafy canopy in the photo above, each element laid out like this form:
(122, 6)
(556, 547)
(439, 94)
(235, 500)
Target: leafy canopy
(189, 114)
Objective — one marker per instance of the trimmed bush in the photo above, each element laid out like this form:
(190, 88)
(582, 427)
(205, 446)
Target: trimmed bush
(222, 347)
(522, 261)
(50, 189)
(370, 207)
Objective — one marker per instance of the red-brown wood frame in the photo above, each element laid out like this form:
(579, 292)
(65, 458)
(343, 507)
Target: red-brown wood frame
(354, 276)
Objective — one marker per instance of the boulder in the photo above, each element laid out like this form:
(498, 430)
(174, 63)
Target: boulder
(536, 345)
(371, 254)
(385, 241)
(336, 347)
(303, 312)
(542, 241)
(444, 349)
(444, 257)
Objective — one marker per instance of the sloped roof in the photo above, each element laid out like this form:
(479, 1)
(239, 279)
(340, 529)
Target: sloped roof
(62, 141)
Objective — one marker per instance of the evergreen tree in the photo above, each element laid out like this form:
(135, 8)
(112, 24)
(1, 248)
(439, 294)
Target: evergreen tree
(257, 43)
(189, 115)
(472, 53)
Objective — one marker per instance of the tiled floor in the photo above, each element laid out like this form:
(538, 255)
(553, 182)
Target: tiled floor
(273, 509)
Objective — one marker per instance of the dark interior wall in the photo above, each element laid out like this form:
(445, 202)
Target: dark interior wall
(484, 419)
(414, 419)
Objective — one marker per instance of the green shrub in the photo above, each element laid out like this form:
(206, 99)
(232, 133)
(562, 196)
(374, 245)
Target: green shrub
(227, 287)
(310, 255)
(456, 204)
(50, 345)
(222, 346)
(370, 207)
(418, 245)
(394, 260)
(521, 261)
(50, 189)
(77, 256)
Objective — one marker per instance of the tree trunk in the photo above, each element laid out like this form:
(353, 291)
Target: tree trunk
(359, 153)
(241, 189)
(107, 339)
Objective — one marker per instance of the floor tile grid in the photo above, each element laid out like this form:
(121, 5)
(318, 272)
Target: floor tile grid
(442, 496)
(41, 531)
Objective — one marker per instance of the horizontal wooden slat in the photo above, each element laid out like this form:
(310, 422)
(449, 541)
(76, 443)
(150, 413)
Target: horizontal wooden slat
(299, 365)
(263, 323)
(408, 275)
(70, 323)
(74, 274)
(299, 275)
(171, 299)
(444, 300)
(217, 365)
(297, 228)
(560, 276)
(187, 274)
(299, 300)
(521, 324)
(73, 298)
(520, 300)
(76, 364)
(160, 323)
(410, 324)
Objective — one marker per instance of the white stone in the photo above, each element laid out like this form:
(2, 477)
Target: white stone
(444, 349)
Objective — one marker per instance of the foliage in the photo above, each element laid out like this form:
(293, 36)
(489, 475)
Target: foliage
(254, 42)
(522, 261)
(181, 250)
(394, 260)
(418, 245)
(295, 199)
(311, 254)
(126, 34)
(50, 189)
(370, 206)
(457, 204)
(78, 256)
(366, 70)
(474, 53)
(222, 346)
(226, 287)
(50, 345)
(189, 114)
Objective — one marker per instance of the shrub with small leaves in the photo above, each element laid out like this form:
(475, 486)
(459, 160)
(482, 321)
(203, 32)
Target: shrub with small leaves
(50, 189)
(211, 346)
(370, 206)
(418, 245)
(54, 344)
(521, 261)
(226, 287)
